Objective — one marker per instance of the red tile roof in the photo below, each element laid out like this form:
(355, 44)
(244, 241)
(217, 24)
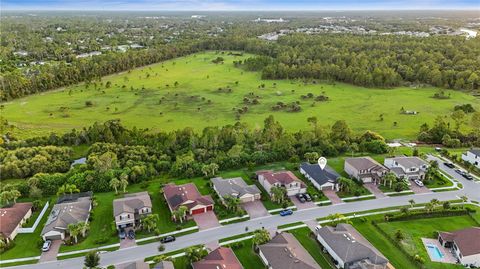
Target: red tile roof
(10, 217)
(221, 258)
(176, 195)
(282, 177)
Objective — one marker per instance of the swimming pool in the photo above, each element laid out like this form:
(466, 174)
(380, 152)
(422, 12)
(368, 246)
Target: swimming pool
(435, 252)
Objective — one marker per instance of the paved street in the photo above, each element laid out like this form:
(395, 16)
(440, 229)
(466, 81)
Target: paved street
(471, 189)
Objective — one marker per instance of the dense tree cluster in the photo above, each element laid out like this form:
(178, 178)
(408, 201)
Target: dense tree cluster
(25, 162)
(371, 61)
(118, 154)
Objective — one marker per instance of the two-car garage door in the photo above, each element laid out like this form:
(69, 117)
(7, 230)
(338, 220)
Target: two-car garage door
(202, 210)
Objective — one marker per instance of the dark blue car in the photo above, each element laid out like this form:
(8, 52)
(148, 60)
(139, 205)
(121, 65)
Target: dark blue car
(286, 212)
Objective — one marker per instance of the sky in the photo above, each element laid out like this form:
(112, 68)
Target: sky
(204, 5)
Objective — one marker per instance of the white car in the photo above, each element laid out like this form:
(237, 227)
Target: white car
(46, 245)
(418, 182)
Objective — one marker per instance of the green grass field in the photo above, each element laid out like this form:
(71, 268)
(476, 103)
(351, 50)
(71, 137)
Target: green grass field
(162, 107)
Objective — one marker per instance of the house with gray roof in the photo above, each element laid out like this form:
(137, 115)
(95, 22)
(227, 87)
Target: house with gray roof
(237, 188)
(129, 210)
(285, 252)
(405, 167)
(365, 169)
(472, 156)
(322, 179)
(69, 209)
(349, 249)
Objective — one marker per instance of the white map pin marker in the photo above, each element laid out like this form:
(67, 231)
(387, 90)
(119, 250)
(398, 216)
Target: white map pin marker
(322, 162)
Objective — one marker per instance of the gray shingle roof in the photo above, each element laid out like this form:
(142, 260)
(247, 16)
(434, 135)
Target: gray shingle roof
(365, 163)
(319, 175)
(71, 212)
(285, 252)
(131, 203)
(475, 151)
(409, 162)
(350, 245)
(235, 187)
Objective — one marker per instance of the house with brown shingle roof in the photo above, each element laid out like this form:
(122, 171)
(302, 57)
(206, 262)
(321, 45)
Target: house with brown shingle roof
(187, 195)
(365, 169)
(220, 258)
(12, 218)
(129, 210)
(465, 245)
(285, 252)
(284, 179)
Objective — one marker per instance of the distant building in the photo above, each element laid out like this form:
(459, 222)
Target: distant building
(472, 156)
(407, 167)
(129, 210)
(70, 209)
(365, 169)
(12, 218)
(465, 245)
(349, 249)
(284, 179)
(220, 258)
(187, 195)
(285, 252)
(322, 179)
(237, 188)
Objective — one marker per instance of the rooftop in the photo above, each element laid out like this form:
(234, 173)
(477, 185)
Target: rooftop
(10, 217)
(131, 203)
(177, 195)
(235, 187)
(467, 240)
(220, 258)
(282, 177)
(321, 176)
(364, 163)
(409, 162)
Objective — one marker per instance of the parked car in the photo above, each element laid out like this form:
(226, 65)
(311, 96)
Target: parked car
(301, 198)
(459, 172)
(318, 227)
(46, 245)
(307, 197)
(167, 239)
(131, 234)
(467, 176)
(449, 165)
(122, 234)
(418, 182)
(286, 212)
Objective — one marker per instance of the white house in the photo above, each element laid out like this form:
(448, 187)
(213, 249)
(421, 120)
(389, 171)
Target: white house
(407, 167)
(465, 245)
(129, 210)
(472, 156)
(285, 179)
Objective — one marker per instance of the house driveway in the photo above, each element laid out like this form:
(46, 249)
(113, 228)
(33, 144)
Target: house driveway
(127, 243)
(373, 188)
(301, 205)
(211, 246)
(255, 209)
(51, 254)
(332, 196)
(417, 189)
(206, 220)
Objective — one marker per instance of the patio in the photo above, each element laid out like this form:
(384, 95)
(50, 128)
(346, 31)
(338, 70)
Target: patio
(447, 256)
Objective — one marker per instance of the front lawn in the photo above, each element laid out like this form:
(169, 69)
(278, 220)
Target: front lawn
(438, 182)
(359, 190)
(303, 235)
(247, 257)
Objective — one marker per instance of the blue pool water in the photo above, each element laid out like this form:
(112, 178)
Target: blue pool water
(434, 252)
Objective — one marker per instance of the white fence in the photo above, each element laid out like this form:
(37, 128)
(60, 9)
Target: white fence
(30, 230)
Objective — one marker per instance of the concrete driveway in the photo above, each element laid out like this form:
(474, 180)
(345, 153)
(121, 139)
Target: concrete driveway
(373, 188)
(206, 220)
(255, 209)
(332, 196)
(301, 205)
(51, 255)
(127, 243)
(417, 189)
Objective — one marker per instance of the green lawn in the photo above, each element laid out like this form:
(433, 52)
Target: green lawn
(313, 247)
(415, 230)
(247, 257)
(147, 102)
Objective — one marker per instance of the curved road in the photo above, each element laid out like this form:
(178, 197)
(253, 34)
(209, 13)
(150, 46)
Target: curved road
(470, 188)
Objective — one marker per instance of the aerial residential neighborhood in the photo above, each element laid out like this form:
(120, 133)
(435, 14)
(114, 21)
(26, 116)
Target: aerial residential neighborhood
(240, 134)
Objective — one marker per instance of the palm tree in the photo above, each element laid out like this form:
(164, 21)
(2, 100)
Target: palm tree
(389, 177)
(429, 207)
(83, 227)
(67, 188)
(260, 237)
(412, 203)
(337, 218)
(150, 222)
(92, 259)
(124, 182)
(435, 203)
(232, 202)
(446, 205)
(6, 196)
(74, 231)
(180, 213)
(278, 194)
(404, 210)
(345, 184)
(194, 254)
(115, 184)
(15, 195)
(161, 258)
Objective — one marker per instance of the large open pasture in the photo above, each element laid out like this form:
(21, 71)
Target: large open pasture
(149, 97)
